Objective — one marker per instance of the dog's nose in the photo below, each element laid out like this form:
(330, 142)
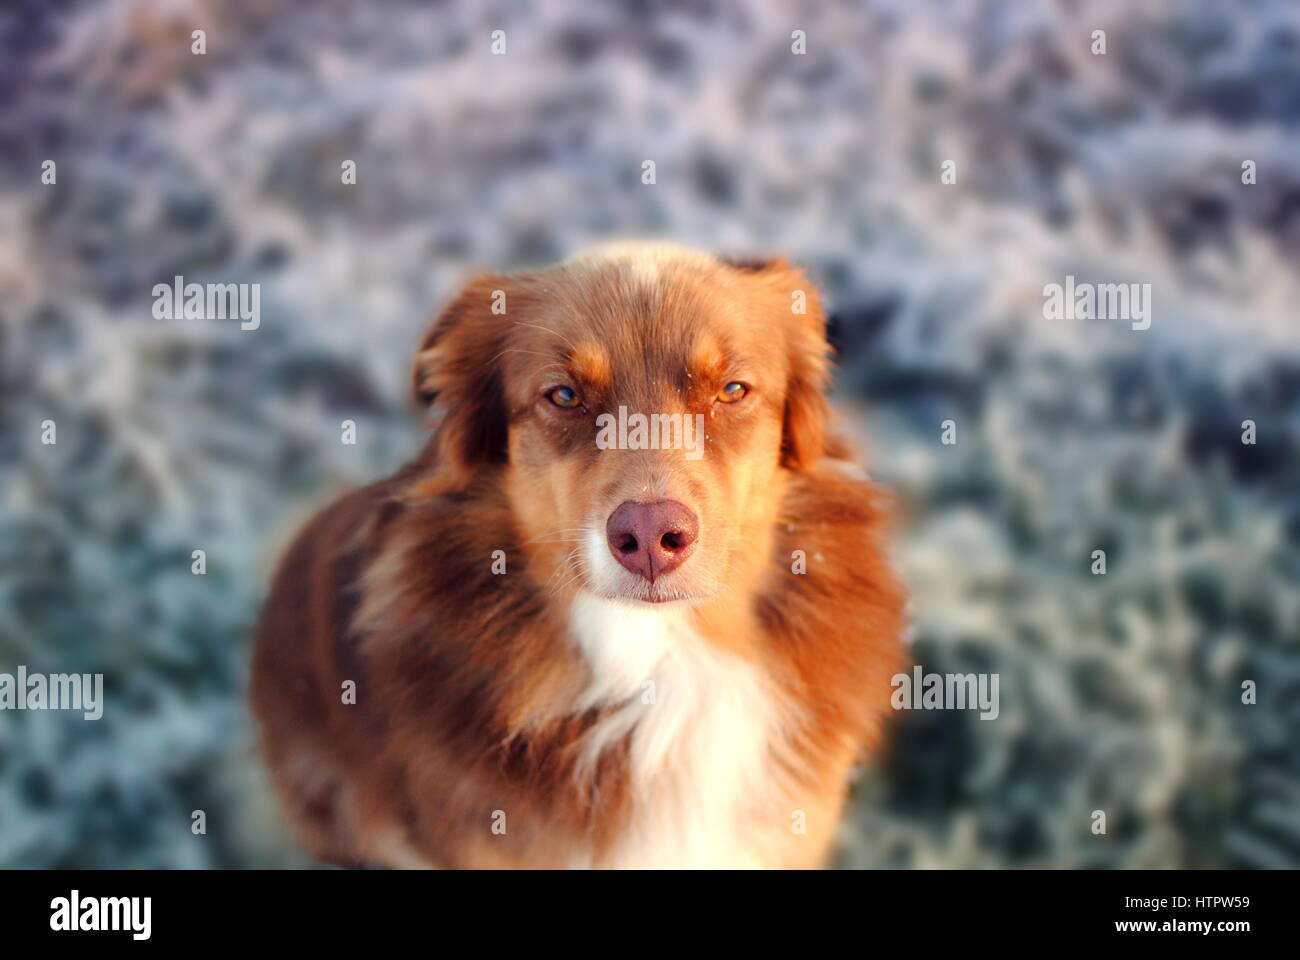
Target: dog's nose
(651, 539)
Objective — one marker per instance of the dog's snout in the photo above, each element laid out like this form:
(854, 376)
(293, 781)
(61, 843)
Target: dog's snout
(651, 539)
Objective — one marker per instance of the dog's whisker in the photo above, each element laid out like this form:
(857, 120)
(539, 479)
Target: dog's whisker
(538, 326)
(575, 565)
(541, 537)
(572, 557)
(535, 353)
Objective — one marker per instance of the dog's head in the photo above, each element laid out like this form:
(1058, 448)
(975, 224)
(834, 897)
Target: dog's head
(642, 406)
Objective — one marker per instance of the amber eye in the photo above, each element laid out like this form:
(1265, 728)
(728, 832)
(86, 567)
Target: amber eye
(566, 398)
(732, 392)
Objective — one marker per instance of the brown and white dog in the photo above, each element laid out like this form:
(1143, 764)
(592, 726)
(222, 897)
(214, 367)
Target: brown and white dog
(552, 643)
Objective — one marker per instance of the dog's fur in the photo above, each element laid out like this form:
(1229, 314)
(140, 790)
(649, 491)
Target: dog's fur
(562, 712)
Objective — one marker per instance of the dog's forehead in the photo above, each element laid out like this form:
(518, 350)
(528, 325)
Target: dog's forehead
(624, 305)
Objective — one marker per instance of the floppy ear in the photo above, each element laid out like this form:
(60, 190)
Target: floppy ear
(457, 370)
(805, 439)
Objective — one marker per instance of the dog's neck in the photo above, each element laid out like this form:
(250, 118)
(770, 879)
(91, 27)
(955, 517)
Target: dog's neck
(699, 721)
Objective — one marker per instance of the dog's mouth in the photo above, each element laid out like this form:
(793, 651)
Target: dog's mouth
(682, 587)
(653, 594)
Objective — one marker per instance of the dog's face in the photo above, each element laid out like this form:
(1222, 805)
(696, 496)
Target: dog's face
(644, 403)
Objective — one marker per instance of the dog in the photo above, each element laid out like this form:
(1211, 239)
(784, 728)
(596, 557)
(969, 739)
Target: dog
(561, 638)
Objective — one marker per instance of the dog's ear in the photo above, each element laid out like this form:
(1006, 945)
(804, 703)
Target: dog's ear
(458, 372)
(805, 438)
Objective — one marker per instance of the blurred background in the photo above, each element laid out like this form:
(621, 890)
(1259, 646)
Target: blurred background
(1119, 692)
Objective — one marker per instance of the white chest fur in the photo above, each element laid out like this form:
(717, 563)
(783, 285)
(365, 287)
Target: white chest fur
(701, 724)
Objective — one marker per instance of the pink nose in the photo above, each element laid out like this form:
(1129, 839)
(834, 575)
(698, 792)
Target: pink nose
(651, 539)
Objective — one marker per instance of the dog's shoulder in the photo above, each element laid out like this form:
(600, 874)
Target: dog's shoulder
(832, 607)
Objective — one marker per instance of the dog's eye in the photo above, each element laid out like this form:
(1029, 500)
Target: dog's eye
(566, 398)
(732, 392)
